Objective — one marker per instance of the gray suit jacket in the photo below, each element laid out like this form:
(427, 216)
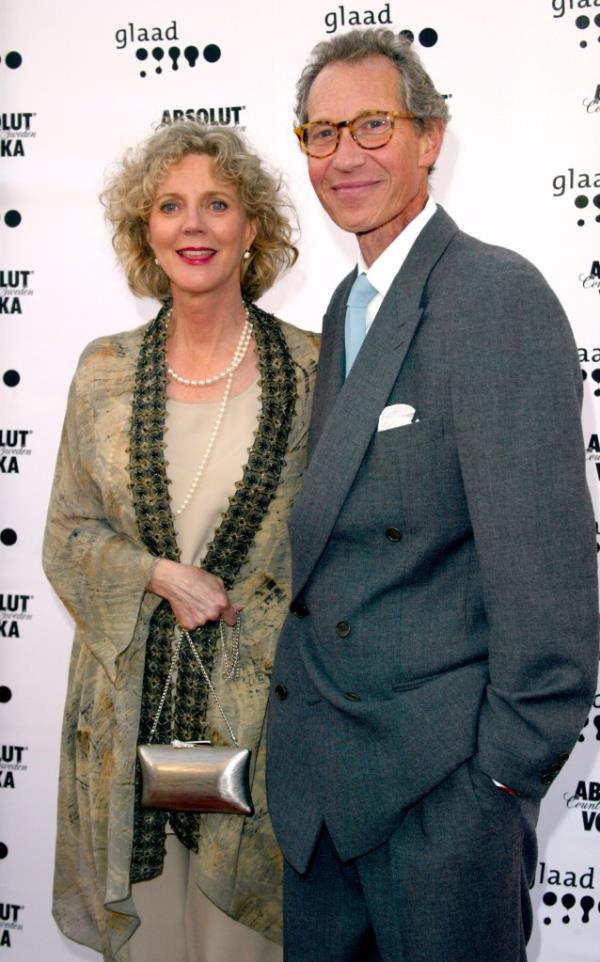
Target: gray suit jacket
(444, 572)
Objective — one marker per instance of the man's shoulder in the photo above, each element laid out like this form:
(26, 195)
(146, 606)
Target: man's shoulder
(477, 265)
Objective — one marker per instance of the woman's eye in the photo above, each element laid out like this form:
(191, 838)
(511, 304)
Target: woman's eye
(169, 206)
(218, 205)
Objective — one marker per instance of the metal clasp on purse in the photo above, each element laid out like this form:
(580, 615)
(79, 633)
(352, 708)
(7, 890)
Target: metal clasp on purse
(195, 776)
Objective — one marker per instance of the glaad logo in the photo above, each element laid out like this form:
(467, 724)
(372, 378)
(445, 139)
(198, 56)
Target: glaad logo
(11, 762)
(592, 104)
(189, 54)
(596, 718)
(15, 128)
(13, 445)
(342, 17)
(582, 21)
(583, 905)
(14, 609)
(591, 281)
(14, 285)
(10, 922)
(590, 356)
(578, 182)
(216, 116)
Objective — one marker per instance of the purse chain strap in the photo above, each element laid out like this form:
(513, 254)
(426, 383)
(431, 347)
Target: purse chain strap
(180, 635)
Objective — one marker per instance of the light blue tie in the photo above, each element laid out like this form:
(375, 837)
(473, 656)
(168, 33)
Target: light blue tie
(361, 293)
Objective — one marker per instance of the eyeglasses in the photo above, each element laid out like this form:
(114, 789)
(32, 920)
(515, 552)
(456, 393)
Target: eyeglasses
(370, 129)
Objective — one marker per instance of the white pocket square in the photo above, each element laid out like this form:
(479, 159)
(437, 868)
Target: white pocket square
(395, 416)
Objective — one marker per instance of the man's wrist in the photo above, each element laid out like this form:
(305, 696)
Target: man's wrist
(506, 788)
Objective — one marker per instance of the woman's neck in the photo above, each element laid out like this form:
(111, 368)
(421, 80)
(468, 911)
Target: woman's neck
(205, 326)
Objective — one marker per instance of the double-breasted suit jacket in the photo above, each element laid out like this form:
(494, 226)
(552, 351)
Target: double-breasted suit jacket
(444, 614)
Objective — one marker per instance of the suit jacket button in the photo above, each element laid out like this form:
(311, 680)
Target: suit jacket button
(281, 692)
(393, 534)
(298, 608)
(343, 629)
(352, 696)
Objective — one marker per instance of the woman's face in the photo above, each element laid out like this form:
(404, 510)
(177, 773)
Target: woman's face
(198, 228)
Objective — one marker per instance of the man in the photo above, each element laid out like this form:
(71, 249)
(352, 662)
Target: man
(441, 648)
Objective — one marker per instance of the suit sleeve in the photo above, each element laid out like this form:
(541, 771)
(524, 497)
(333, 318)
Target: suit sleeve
(516, 394)
(99, 573)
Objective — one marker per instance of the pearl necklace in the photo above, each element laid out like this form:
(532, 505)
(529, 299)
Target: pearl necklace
(238, 357)
(236, 360)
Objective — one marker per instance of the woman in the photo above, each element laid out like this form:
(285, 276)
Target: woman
(182, 450)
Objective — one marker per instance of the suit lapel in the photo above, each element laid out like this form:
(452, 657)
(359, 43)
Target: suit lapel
(331, 371)
(342, 429)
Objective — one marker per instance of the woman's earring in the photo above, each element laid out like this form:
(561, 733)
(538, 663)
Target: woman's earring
(246, 255)
(156, 261)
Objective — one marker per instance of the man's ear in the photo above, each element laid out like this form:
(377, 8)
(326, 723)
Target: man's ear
(431, 143)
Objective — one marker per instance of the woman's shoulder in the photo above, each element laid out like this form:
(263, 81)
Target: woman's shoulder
(111, 353)
(303, 345)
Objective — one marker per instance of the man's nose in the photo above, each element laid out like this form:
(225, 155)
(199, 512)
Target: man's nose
(348, 154)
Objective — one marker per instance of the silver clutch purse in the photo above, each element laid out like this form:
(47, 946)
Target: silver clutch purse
(195, 776)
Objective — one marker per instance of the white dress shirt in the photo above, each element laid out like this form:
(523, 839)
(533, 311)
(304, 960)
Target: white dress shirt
(382, 271)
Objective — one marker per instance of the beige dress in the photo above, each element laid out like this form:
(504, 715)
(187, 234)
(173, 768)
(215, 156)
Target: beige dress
(172, 908)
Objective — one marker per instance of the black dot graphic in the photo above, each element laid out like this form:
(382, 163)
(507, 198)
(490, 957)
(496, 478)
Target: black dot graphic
(141, 53)
(428, 37)
(211, 53)
(597, 19)
(582, 23)
(12, 218)
(568, 901)
(580, 223)
(11, 378)
(3, 850)
(191, 55)
(596, 200)
(8, 537)
(587, 904)
(550, 898)
(581, 201)
(408, 34)
(158, 53)
(13, 60)
(5, 694)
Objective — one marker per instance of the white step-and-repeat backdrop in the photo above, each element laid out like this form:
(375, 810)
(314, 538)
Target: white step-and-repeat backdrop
(79, 83)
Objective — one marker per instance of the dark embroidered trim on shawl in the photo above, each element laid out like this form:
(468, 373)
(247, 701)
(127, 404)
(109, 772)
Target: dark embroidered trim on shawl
(225, 555)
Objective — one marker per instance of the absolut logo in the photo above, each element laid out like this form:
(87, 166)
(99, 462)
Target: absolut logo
(11, 921)
(11, 764)
(14, 286)
(592, 104)
(590, 280)
(14, 610)
(215, 116)
(15, 130)
(14, 446)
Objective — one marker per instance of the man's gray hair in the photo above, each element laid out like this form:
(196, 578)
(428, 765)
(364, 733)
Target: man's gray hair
(417, 92)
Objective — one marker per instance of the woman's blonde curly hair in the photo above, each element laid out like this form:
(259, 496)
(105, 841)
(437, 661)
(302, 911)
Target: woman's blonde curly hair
(130, 190)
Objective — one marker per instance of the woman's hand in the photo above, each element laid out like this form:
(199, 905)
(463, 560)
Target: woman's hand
(194, 595)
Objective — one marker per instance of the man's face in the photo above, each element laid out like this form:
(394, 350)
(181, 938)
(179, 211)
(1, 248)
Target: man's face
(372, 193)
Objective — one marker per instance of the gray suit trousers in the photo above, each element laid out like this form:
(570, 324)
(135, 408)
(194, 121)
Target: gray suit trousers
(406, 900)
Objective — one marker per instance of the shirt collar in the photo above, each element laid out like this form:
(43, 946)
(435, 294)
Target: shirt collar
(383, 270)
